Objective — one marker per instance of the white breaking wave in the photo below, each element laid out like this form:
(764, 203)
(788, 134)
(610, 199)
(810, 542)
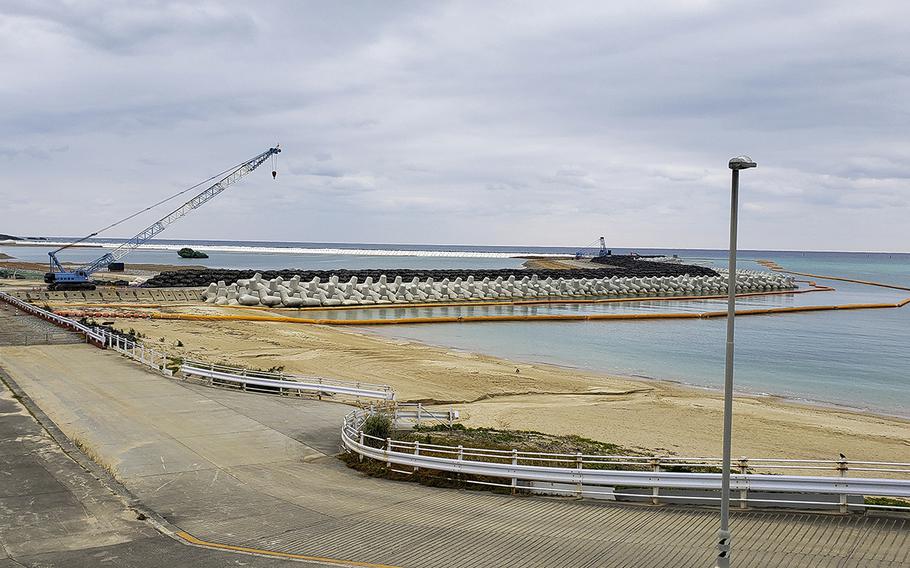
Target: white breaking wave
(301, 250)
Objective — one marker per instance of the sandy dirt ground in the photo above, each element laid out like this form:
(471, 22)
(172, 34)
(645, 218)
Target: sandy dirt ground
(492, 392)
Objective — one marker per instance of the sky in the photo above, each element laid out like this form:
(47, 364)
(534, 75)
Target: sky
(509, 123)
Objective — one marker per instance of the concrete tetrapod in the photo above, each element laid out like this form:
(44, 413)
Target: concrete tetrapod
(291, 293)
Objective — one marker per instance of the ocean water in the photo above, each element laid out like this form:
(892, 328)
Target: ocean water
(856, 358)
(259, 255)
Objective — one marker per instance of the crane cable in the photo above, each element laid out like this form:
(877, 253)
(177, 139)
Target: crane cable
(150, 207)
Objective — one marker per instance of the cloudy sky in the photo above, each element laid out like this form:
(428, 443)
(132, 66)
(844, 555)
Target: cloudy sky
(544, 123)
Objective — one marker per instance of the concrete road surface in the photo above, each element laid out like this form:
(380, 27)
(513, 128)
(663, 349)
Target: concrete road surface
(257, 472)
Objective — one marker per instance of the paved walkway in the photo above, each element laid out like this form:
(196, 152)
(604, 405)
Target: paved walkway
(58, 512)
(256, 471)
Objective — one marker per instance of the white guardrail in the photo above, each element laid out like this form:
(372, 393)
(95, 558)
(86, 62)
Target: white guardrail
(214, 374)
(550, 473)
(599, 476)
(407, 414)
(269, 381)
(89, 332)
(137, 351)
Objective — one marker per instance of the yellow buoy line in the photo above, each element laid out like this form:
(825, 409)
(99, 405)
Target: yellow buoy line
(771, 265)
(518, 317)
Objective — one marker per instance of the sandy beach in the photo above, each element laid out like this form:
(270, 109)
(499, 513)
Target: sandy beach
(492, 392)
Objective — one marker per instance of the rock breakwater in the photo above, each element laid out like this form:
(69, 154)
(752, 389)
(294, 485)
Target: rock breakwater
(622, 266)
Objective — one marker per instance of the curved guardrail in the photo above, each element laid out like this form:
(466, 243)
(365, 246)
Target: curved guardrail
(576, 474)
(598, 475)
(255, 380)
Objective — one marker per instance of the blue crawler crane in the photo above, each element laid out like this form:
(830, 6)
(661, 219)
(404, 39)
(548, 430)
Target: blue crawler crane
(59, 278)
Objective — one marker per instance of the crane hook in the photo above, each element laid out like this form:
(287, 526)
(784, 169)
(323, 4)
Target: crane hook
(275, 162)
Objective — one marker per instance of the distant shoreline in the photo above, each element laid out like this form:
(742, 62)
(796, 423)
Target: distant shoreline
(300, 250)
(517, 251)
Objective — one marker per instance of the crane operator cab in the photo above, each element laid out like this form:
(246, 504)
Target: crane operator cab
(68, 281)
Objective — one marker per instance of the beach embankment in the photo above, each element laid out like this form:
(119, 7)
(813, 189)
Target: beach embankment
(494, 392)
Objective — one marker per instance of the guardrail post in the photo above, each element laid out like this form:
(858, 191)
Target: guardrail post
(655, 491)
(361, 443)
(514, 479)
(744, 492)
(451, 416)
(579, 464)
(388, 453)
(842, 470)
(419, 409)
(416, 453)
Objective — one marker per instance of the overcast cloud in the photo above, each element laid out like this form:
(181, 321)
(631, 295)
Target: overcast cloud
(544, 123)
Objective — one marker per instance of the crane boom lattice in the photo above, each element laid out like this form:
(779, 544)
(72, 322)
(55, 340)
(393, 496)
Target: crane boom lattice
(60, 278)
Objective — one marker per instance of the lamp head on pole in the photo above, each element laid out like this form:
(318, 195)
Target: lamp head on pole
(741, 163)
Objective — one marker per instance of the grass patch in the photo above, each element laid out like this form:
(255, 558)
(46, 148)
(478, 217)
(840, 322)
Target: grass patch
(378, 426)
(521, 440)
(886, 501)
(173, 363)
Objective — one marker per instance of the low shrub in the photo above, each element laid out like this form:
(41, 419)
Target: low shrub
(378, 426)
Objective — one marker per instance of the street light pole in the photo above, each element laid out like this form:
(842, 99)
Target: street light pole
(723, 535)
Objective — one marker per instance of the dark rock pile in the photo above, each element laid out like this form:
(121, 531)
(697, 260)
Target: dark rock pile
(619, 266)
(662, 268)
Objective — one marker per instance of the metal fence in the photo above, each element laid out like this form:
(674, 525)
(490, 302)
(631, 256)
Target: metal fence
(646, 478)
(137, 351)
(215, 375)
(91, 334)
(415, 414)
(653, 478)
(282, 383)
(98, 336)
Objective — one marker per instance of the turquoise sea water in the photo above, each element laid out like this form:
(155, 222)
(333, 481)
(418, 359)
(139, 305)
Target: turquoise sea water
(858, 358)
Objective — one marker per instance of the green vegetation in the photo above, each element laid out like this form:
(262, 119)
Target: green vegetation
(886, 501)
(378, 426)
(187, 252)
(173, 363)
(521, 440)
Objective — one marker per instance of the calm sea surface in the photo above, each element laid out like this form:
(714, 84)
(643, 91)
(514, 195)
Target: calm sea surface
(857, 358)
